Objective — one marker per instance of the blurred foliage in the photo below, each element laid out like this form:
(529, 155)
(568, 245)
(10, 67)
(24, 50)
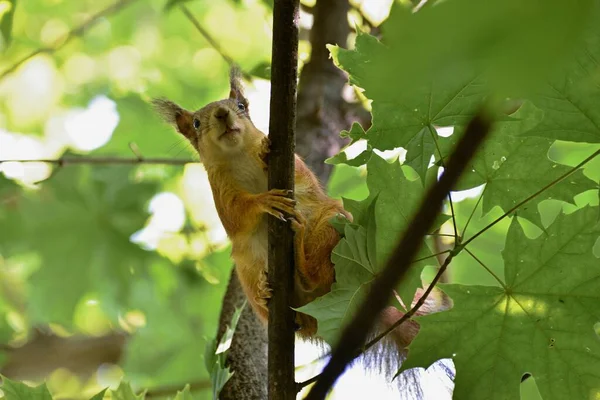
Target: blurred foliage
(140, 249)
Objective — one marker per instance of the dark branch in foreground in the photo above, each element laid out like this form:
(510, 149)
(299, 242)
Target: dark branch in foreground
(356, 332)
(282, 125)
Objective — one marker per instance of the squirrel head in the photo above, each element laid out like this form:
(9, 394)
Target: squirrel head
(219, 130)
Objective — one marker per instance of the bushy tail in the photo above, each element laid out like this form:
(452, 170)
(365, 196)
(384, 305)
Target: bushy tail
(389, 353)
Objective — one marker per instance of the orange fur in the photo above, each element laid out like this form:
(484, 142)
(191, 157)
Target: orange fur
(237, 171)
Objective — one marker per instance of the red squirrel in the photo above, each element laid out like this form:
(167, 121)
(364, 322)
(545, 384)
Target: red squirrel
(234, 152)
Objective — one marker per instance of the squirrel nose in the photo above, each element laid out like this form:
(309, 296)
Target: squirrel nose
(221, 113)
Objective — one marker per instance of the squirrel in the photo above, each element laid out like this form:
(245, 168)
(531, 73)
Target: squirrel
(234, 153)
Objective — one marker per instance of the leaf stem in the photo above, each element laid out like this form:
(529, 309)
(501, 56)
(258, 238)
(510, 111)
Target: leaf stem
(431, 256)
(487, 269)
(554, 182)
(440, 234)
(433, 136)
(473, 212)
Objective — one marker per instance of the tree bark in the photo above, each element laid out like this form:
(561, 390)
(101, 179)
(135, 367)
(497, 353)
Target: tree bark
(248, 352)
(322, 111)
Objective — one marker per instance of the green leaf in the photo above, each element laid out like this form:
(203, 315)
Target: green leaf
(348, 182)
(125, 392)
(100, 395)
(342, 158)
(7, 13)
(80, 223)
(513, 167)
(398, 199)
(268, 3)
(354, 274)
(407, 118)
(262, 70)
(19, 391)
(10, 200)
(215, 356)
(570, 98)
(542, 323)
(184, 394)
(449, 76)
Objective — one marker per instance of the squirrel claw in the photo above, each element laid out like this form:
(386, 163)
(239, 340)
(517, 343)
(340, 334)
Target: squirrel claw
(264, 290)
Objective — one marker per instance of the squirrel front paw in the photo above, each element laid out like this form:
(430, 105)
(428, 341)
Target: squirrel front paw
(264, 292)
(276, 203)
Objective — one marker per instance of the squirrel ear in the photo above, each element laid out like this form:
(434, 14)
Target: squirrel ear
(174, 115)
(236, 90)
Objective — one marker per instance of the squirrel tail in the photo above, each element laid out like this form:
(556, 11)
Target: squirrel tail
(388, 354)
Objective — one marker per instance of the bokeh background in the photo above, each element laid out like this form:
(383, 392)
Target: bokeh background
(120, 269)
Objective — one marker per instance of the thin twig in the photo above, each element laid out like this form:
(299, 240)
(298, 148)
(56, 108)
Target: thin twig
(355, 333)
(487, 269)
(373, 28)
(206, 35)
(73, 33)
(211, 41)
(61, 162)
(548, 186)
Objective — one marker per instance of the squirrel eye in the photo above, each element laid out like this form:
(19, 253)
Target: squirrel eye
(196, 123)
(241, 106)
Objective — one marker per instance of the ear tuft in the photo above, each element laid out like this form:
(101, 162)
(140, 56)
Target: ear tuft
(174, 115)
(167, 110)
(235, 83)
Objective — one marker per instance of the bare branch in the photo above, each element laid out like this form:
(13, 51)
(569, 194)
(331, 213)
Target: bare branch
(73, 33)
(209, 38)
(61, 162)
(355, 333)
(45, 353)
